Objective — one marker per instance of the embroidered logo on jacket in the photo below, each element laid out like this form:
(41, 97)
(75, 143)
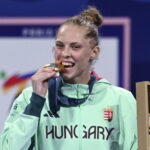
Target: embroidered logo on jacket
(108, 114)
(49, 114)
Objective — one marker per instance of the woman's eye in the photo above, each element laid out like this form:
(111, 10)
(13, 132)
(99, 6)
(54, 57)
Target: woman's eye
(59, 46)
(76, 46)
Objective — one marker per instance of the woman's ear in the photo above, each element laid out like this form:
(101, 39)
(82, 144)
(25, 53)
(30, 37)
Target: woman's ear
(95, 52)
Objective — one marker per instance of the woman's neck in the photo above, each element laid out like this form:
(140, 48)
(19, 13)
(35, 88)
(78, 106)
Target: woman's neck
(80, 80)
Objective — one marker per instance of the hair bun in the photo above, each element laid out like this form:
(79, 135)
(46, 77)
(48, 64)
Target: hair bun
(93, 15)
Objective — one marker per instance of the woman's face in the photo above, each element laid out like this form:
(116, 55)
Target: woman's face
(75, 53)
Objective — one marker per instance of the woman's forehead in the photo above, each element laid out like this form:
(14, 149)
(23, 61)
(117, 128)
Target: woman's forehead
(71, 28)
(71, 32)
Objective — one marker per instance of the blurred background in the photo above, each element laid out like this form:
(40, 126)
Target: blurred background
(126, 29)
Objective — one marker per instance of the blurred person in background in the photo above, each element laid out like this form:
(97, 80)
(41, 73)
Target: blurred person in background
(77, 109)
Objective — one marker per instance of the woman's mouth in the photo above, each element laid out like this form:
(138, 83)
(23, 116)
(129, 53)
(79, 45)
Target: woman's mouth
(68, 64)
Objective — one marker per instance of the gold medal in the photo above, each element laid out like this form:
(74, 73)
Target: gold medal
(57, 66)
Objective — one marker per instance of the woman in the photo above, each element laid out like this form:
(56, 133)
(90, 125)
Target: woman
(76, 110)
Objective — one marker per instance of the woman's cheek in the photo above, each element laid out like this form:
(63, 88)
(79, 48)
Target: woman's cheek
(58, 54)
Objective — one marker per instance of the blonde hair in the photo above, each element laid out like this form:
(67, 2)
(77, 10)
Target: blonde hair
(91, 19)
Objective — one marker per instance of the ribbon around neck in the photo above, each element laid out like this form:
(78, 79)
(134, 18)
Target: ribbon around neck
(57, 99)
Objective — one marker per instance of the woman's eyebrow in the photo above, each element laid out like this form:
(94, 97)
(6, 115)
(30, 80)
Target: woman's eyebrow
(74, 43)
(58, 41)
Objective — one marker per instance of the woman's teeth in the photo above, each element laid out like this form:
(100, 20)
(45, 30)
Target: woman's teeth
(67, 64)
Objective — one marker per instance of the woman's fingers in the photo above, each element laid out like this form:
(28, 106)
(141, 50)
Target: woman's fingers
(40, 80)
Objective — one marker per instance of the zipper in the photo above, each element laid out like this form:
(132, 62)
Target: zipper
(80, 128)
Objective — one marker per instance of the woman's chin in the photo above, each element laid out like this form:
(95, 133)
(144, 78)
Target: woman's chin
(67, 78)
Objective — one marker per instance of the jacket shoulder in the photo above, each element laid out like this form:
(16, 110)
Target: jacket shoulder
(24, 96)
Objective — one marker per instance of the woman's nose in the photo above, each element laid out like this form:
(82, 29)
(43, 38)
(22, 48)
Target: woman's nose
(66, 52)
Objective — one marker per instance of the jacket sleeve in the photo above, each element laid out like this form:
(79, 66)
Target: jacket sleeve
(22, 122)
(128, 122)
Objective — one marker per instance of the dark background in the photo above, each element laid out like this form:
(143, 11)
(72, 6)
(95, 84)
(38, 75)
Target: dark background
(137, 10)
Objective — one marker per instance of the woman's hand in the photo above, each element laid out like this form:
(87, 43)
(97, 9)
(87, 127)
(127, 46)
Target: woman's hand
(40, 80)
